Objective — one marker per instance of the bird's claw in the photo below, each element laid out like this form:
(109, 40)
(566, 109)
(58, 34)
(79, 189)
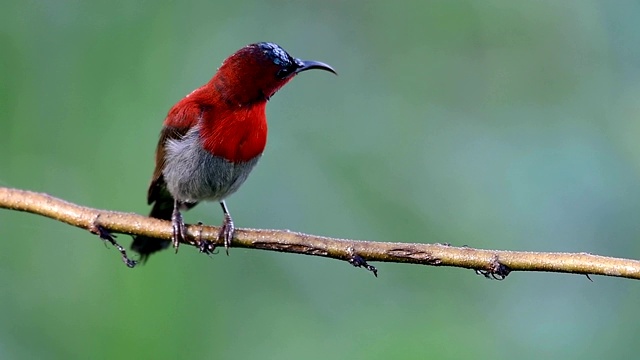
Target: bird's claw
(179, 230)
(227, 231)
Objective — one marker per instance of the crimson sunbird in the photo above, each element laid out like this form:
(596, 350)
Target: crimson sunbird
(213, 137)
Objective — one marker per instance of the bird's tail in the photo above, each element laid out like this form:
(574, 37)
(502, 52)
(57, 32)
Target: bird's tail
(145, 246)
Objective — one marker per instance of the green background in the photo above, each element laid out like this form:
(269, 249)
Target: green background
(492, 124)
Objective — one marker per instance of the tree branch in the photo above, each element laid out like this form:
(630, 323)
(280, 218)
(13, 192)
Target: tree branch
(490, 263)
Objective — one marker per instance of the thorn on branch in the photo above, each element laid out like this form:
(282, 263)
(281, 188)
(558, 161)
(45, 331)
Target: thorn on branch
(105, 235)
(358, 261)
(495, 271)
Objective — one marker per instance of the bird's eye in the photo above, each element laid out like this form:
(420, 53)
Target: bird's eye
(283, 73)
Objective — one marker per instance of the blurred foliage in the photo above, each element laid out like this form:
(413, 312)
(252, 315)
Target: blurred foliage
(492, 124)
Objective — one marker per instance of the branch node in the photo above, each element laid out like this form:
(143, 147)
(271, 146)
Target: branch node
(495, 271)
(358, 261)
(96, 228)
(204, 246)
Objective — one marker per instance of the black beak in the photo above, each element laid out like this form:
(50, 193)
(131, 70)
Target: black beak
(305, 65)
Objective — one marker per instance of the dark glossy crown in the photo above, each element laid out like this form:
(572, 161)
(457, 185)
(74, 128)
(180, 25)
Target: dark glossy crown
(276, 54)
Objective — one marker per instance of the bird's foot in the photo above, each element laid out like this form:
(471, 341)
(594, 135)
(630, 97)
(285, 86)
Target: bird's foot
(226, 232)
(179, 229)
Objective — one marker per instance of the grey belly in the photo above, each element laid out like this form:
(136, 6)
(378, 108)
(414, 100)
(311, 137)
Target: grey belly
(192, 174)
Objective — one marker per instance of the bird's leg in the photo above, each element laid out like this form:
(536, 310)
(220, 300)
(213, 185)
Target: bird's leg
(179, 230)
(227, 229)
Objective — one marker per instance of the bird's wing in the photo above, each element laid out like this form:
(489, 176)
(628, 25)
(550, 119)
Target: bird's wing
(181, 118)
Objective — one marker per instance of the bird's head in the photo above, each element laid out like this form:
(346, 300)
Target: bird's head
(257, 71)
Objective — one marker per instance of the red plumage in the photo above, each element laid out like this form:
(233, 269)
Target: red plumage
(238, 135)
(212, 138)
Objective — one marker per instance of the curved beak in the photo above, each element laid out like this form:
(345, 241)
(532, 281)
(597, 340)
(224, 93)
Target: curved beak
(305, 65)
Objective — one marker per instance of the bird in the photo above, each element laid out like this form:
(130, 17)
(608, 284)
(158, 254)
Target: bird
(212, 139)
